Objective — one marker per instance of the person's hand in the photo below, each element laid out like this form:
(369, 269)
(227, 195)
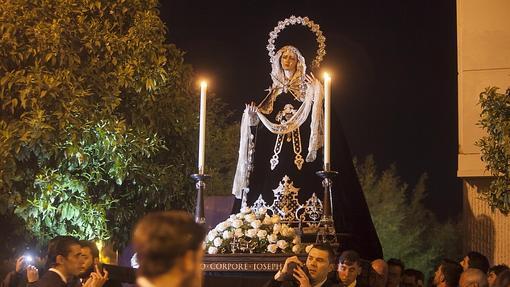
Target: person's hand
(20, 264)
(32, 274)
(97, 278)
(301, 277)
(251, 108)
(281, 273)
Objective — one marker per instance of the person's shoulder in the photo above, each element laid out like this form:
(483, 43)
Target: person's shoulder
(50, 279)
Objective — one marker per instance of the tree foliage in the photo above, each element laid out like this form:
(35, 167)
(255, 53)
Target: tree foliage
(406, 228)
(98, 118)
(495, 146)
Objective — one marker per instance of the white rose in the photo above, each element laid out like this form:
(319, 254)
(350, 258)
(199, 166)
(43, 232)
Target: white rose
(212, 250)
(267, 220)
(275, 219)
(237, 223)
(238, 232)
(287, 231)
(251, 233)
(296, 248)
(250, 217)
(262, 211)
(276, 228)
(217, 242)
(284, 231)
(262, 234)
(222, 226)
(272, 238)
(282, 244)
(212, 234)
(272, 248)
(296, 240)
(308, 248)
(240, 216)
(256, 224)
(227, 234)
(245, 210)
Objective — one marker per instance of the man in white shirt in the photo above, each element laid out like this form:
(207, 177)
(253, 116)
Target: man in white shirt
(169, 250)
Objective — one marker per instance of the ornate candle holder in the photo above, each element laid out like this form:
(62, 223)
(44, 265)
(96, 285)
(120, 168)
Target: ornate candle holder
(199, 205)
(327, 232)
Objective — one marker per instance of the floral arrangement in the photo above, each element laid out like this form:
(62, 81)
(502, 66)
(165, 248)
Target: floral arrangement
(252, 232)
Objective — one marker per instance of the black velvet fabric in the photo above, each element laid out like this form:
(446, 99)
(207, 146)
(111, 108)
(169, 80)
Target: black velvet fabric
(350, 209)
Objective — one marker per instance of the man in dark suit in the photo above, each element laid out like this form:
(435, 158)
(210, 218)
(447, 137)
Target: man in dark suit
(349, 268)
(64, 261)
(313, 273)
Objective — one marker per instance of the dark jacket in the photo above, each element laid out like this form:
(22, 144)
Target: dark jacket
(291, 283)
(50, 279)
(15, 279)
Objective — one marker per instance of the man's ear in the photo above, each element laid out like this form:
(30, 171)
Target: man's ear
(441, 278)
(331, 267)
(59, 259)
(359, 270)
(96, 260)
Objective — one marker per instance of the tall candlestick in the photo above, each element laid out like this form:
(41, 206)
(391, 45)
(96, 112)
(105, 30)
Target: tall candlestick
(327, 122)
(201, 141)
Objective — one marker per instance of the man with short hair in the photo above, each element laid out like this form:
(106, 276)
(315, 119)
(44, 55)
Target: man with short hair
(64, 260)
(90, 256)
(378, 273)
(349, 268)
(494, 272)
(169, 250)
(314, 273)
(395, 270)
(412, 278)
(447, 274)
(475, 260)
(473, 277)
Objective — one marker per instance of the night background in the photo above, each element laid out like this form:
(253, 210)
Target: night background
(394, 67)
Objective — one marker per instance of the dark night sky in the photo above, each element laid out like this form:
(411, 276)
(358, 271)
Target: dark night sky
(393, 63)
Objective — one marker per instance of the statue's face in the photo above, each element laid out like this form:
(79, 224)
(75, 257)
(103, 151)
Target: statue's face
(288, 61)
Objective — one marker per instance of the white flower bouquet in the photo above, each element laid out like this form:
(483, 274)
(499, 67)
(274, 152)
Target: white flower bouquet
(252, 232)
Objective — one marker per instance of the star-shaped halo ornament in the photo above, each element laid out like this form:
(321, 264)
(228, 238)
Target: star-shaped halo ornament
(305, 21)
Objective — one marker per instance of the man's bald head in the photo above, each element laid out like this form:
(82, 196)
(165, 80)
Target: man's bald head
(381, 267)
(378, 273)
(473, 277)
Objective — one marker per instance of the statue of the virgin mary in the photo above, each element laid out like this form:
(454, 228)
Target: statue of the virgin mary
(289, 119)
(280, 139)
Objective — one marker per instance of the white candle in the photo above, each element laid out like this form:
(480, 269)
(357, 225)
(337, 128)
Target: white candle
(327, 121)
(201, 141)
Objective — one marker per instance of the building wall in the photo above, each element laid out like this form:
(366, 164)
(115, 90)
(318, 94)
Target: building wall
(483, 36)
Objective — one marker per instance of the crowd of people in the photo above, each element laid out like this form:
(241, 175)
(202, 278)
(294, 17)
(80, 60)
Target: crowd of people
(169, 248)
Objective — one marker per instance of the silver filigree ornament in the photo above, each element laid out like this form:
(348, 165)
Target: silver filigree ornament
(287, 206)
(305, 21)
